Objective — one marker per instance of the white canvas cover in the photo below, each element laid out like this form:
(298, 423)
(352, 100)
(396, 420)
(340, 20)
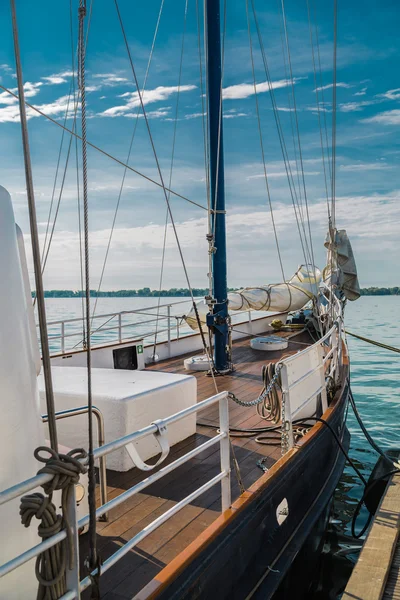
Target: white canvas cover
(343, 267)
(279, 297)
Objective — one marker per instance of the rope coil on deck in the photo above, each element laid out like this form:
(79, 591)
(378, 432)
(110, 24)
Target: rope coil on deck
(51, 565)
(264, 394)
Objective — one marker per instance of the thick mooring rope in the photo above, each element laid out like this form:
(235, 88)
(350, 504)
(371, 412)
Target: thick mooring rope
(51, 565)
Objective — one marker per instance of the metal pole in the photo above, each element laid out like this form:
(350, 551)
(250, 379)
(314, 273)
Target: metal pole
(80, 410)
(225, 454)
(219, 321)
(63, 337)
(120, 327)
(169, 328)
(44, 340)
(72, 575)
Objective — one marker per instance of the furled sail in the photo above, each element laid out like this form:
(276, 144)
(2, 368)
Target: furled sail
(341, 268)
(281, 297)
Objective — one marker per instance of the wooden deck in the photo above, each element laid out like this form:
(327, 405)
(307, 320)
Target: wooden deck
(376, 574)
(149, 557)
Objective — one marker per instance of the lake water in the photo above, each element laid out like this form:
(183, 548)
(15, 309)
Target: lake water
(375, 381)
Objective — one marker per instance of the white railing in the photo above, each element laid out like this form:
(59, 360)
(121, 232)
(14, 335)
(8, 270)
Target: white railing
(120, 326)
(74, 584)
(305, 378)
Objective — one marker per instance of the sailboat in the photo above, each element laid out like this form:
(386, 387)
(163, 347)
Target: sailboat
(203, 485)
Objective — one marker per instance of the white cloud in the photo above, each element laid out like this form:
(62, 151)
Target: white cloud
(371, 221)
(110, 79)
(30, 89)
(5, 67)
(391, 94)
(57, 78)
(235, 115)
(330, 85)
(361, 92)
(355, 106)
(389, 117)
(245, 90)
(366, 167)
(151, 114)
(10, 114)
(285, 109)
(280, 174)
(158, 94)
(316, 109)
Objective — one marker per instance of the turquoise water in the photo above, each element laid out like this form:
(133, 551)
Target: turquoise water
(375, 381)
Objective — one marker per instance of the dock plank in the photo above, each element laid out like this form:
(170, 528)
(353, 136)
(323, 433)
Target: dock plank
(371, 573)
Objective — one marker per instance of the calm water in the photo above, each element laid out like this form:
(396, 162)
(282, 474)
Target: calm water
(375, 380)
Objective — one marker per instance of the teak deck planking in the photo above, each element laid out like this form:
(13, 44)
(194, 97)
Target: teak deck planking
(149, 557)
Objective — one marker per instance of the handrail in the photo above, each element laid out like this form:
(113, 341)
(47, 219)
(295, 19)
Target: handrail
(334, 354)
(81, 410)
(119, 326)
(223, 477)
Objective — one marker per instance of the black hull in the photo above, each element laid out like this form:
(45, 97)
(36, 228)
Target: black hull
(252, 556)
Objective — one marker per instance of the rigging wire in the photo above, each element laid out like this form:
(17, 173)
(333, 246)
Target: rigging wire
(104, 152)
(165, 190)
(291, 109)
(236, 464)
(92, 559)
(321, 85)
(318, 107)
(292, 187)
(170, 175)
(128, 159)
(334, 90)
(56, 174)
(76, 103)
(204, 122)
(297, 131)
(261, 141)
(76, 99)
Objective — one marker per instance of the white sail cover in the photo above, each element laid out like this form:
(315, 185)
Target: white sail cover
(344, 270)
(280, 297)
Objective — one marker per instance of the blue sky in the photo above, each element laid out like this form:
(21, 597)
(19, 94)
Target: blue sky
(368, 151)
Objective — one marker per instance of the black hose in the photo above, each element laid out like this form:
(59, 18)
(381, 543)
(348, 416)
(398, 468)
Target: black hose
(363, 428)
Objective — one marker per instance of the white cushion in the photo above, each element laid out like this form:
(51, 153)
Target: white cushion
(129, 400)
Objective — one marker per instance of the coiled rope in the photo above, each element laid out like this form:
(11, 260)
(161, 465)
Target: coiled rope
(51, 565)
(265, 394)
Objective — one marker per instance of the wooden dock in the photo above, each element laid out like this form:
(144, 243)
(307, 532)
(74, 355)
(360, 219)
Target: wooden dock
(376, 575)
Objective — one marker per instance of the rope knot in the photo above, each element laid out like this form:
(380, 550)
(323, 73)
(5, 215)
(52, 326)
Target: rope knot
(65, 468)
(51, 564)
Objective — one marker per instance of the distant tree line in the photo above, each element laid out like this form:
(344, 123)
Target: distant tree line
(142, 293)
(380, 291)
(181, 292)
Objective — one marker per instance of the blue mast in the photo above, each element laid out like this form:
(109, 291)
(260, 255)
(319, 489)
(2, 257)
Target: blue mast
(218, 320)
